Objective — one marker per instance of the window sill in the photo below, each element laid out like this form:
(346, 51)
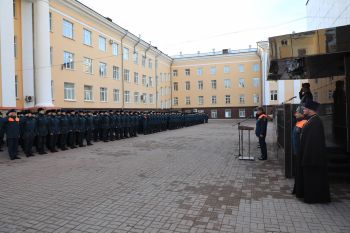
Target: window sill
(88, 45)
(89, 101)
(68, 38)
(67, 100)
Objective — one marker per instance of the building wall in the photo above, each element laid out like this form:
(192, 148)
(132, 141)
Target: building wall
(327, 13)
(201, 69)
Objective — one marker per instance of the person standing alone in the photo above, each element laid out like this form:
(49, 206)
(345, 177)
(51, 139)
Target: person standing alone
(260, 131)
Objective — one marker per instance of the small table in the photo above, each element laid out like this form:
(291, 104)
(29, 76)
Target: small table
(241, 129)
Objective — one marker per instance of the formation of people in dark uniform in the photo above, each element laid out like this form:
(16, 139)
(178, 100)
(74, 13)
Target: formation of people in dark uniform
(50, 130)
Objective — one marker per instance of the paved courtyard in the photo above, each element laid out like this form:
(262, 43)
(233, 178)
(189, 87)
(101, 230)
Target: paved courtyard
(186, 180)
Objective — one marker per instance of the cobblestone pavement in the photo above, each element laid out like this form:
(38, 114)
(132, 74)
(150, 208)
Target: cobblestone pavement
(186, 180)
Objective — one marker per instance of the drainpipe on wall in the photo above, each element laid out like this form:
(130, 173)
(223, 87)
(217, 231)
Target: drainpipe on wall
(171, 85)
(122, 68)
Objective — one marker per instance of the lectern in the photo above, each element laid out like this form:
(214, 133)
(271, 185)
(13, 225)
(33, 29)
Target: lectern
(241, 129)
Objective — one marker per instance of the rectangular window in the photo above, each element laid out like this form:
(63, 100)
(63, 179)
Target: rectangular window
(256, 67)
(273, 95)
(136, 58)
(103, 94)
(174, 73)
(143, 61)
(213, 84)
(136, 78)
(175, 101)
(188, 86)
(241, 113)
(87, 65)
(103, 69)
(51, 55)
(150, 81)
(213, 99)
(68, 61)
(241, 68)
(87, 37)
(330, 94)
(136, 97)
(144, 98)
(227, 99)
(227, 69)
(213, 70)
(88, 93)
(116, 75)
(200, 71)
(69, 91)
(68, 29)
(16, 86)
(187, 72)
(256, 99)
(150, 63)
(15, 45)
(241, 82)
(200, 100)
(228, 113)
(144, 80)
(227, 83)
(116, 95)
(127, 96)
(188, 100)
(214, 114)
(126, 75)
(200, 85)
(151, 98)
(256, 82)
(176, 86)
(14, 8)
(102, 43)
(241, 99)
(115, 49)
(126, 54)
(50, 21)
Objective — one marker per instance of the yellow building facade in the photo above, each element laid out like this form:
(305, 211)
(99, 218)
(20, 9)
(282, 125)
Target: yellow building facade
(62, 54)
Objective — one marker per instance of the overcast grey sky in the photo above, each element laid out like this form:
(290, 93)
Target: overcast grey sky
(202, 25)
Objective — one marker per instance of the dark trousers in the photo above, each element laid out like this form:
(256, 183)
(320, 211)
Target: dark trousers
(53, 142)
(40, 144)
(62, 140)
(96, 135)
(28, 142)
(111, 134)
(80, 138)
(88, 136)
(12, 146)
(71, 139)
(263, 148)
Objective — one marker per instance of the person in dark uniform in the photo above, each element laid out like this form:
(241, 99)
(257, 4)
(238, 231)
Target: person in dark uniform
(305, 94)
(54, 130)
(29, 129)
(260, 132)
(64, 129)
(312, 184)
(42, 129)
(72, 129)
(12, 130)
(111, 126)
(81, 129)
(97, 126)
(2, 131)
(104, 126)
(89, 125)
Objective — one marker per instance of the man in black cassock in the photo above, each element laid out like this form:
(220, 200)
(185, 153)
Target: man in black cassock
(312, 181)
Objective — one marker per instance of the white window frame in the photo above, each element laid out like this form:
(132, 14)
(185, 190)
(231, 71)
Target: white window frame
(187, 72)
(227, 69)
(116, 73)
(68, 60)
(125, 54)
(136, 58)
(69, 92)
(188, 100)
(127, 75)
(200, 100)
(87, 37)
(136, 78)
(187, 85)
(241, 82)
(228, 113)
(241, 68)
(68, 29)
(102, 43)
(176, 86)
(256, 82)
(136, 97)
(214, 114)
(256, 67)
(116, 95)
(200, 71)
(102, 69)
(256, 98)
(213, 84)
(88, 65)
(227, 99)
(213, 70)
(103, 94)
(176, 101)
(175, 73)
(241, 113)
(200, 85)
(274, 95)
(115, 49)
(127, 96)
(88, 93)
(227, 83)
(242, 99)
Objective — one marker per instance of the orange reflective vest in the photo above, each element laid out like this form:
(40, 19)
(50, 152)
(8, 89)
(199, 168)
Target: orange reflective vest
(301, 124)
(12, 120)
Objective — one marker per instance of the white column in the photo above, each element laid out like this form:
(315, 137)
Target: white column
(7, 55)
(42, 54)
(27, 51)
